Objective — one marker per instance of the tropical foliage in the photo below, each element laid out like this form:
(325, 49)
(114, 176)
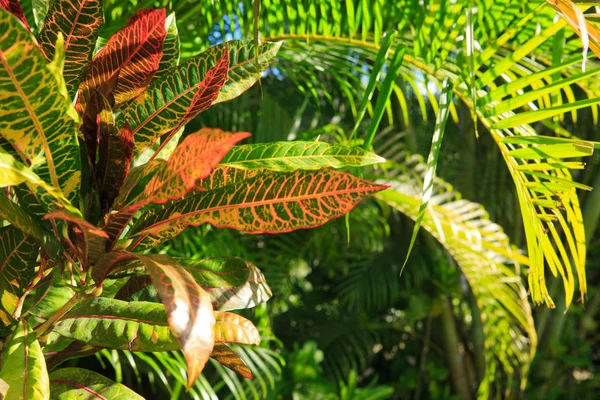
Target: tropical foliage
(95, 173)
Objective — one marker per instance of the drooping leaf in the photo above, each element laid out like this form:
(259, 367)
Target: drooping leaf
(164, 104)
(193, 159)
(232, 328)
(23, 366)
(432, 160)
(290, 156)
(116, 151)
(575, 17)
(257, 201)
(38, 119)
(232, 282)
(132, 55)
(189, 310)
(116, 324)
(79, 383)
(79, 22)
(18, 254)
(14, 7)
(171, 46)
(227, 357)
(92, 240)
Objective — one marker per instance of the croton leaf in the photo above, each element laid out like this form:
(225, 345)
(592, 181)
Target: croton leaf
(38, 119)
(79, 22)
(18, 253)
(13, 173)
(290, 156)
(159, 181)
(23, 366)
(166, 102)
(171, 46)
(116, 151)
(92, 240)
(79, 383)
(116, 324)
(132, 55)
(116, 223)
(227, 357)
(14, 7)
(232, 282)
(233, 328)
(97, 118)
(189, 310)
(3, 389)
(256, 201)
(27, 223)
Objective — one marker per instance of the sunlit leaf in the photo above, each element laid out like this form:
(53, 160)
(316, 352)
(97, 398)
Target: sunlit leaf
(79, 383)
(79, 21)
(171, 46)
(290, 156)
(258, 201)
(232, 328)
(227, 357)
(37, 118)
(23, 366)
(132, 55)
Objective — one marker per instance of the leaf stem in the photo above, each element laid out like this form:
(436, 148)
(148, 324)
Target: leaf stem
(72, 302)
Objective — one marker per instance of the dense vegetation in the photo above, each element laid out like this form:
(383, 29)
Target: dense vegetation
(471, 275)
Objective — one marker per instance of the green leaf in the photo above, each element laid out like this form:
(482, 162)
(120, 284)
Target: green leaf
(227, 357)
(290, 156)
(23, 366)
(232, 282)
(40, 123)
(556, 151)
(257, 201)
(432, 160)
(81, 384)
(27, 223)
(18, 254)
(232, 328)
(79, 22)
(166, 102)
(171, 46)
(159, 181)
(116, 324)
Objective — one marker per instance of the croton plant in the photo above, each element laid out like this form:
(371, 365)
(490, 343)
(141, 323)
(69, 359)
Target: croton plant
(97, 172)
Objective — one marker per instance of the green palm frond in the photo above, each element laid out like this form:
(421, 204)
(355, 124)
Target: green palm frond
(481, 250)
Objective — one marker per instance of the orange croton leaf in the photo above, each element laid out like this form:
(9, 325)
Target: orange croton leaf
(227, 357)
(123, 68)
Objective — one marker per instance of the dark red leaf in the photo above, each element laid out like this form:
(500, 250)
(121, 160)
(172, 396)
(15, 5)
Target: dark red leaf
(14, 7)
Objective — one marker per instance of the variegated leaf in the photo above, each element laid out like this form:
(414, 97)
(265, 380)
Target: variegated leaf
(256, 201)
(166, 102)
(227, 357)
(233, 328)
(18, 253)
(290, 156)
(37, 118)
(132, 55)
(79, 383)
(232, 282)
(170, 58)
(97, 118)
(91, 240)
(79, 21)
(194, 159)
(14, 7)
(24, 367)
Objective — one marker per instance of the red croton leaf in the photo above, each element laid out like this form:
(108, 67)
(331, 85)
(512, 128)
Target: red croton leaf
(97, 118)
(14, 7)
(206, 93)
(225, 356)
(194, 159)
(256, 201)
(116, 151)
(90, 241)
(132, 55)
